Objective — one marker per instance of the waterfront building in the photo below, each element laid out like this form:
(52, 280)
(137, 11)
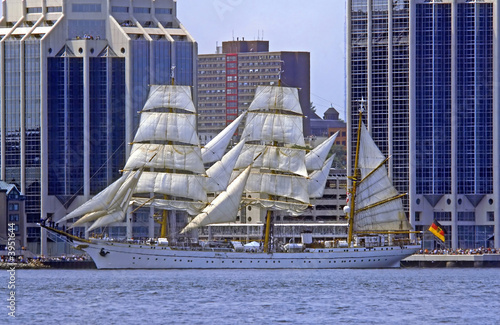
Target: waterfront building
(12, 213)
(429, 73)
(73, 75)
(322, 128)
(227, 81)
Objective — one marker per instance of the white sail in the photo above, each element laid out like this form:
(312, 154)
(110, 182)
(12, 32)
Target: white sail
(316, 157)
(118, 208)
(376, 208)
(276, 98)
(122, 195)
(100, 201)
(165, 157)
(294, 187)
(179, 185)
(176, 127)
(293, 208)
(318, 178)
(388, 216)
(115, 216)
(170, 96)
(214, 150)
(277, 158)
(219, 174)
(224, 207)
(274, 127)
(88, 218)
(191, 207)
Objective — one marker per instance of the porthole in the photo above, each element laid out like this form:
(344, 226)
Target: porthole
(123, 50)
(418, 201)
(459, 201)
(50, 50)
(490, 201)
(92, 50)
(80, 50)
(448, 201)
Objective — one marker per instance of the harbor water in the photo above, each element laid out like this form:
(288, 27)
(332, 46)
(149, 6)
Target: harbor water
(380, 296)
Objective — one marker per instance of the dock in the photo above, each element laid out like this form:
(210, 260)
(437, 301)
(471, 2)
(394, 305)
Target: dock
(452, 260)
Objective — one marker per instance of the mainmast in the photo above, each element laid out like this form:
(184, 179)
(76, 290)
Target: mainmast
(357, 175)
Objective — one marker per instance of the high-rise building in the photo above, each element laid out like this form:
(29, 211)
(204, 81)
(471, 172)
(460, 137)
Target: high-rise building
(428, 71)
(73, 75)
(227, 81)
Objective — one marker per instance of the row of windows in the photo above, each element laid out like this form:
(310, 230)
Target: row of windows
(86, 7)
(141, 10)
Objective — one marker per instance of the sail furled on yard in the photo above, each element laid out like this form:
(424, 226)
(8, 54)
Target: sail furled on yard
(378, 205)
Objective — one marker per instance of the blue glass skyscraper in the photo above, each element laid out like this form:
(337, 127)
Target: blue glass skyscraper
(427, 70)
(73, 76)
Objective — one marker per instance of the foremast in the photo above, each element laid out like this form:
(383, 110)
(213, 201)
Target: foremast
(163, 221)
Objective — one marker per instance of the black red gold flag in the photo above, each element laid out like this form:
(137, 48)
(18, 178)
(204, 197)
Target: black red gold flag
(437, 230)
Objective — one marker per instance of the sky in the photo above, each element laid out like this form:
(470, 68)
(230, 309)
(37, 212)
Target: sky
(315, 26)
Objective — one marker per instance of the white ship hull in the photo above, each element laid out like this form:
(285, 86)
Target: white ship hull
(112, 255)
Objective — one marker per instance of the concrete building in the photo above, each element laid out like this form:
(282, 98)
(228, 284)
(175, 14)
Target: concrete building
(227, 81)
(73, 75)
(429, 71)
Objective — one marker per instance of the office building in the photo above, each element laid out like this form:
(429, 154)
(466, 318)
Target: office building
(428, 71)
(227, 81)
(74, 74)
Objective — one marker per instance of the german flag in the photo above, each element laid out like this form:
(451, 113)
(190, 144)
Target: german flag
(437, 230)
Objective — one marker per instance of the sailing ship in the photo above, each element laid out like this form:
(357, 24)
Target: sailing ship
(270, 168)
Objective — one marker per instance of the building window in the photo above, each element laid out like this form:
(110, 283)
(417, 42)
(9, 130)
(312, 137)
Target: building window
(417, 216)
(16, 228)
(490, 216)
(90, 7)
(32, 217)
(466, 216)
(14, 207)
(54, 9)
(442, 216)
(167, 11)
(35, 10)
(13, 217)
(33, 232)
(119, 9)
(141, 10)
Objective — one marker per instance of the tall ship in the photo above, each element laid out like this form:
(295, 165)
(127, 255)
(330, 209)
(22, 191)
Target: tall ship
(270, 169)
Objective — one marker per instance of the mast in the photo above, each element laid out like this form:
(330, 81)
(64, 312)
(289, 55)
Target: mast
(356, 175)
(164, 214)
